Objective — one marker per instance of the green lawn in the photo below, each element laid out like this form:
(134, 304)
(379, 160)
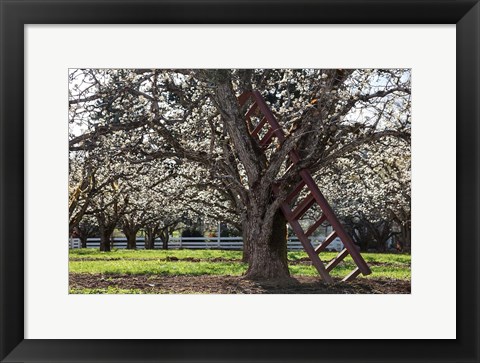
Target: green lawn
(94, 253)
(217, 262)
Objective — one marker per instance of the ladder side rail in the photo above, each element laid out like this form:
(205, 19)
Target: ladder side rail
(294, 156)
(305, 241)
(244, 97)
(333, 220)
(307, 246)
(269, 116)
(242, 100)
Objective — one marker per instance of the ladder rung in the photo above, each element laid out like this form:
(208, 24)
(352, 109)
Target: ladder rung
(265, 110)
(309, 249)
(352, 275)
(259, 126)
(267, 138)
(295, 191)
(303, 206)
(337, 260)
(325, 243)
(314, 226)
(251, 110)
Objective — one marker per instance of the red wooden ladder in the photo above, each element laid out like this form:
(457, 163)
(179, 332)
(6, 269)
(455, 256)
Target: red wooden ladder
(273, 130)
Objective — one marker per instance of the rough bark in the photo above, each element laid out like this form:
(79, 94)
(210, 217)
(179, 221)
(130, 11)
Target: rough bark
(359, 232)
(130, 229)
(246, 244)
(106, 227)
(151, 233)
(404, 238)
(131, 238)
(149, 239)
(381, 232)
(264, 230)
(83, 240)
(165, 237)
(403, 220)
(268, 258)
(105, 237)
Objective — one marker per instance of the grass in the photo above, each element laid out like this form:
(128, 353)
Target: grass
(158, 267)
(95, 254)
(159, 262)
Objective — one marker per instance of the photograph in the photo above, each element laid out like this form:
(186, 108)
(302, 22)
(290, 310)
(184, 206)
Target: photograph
(239, 181)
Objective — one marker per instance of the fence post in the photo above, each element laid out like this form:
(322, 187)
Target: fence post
(180, 246)
(218, 234)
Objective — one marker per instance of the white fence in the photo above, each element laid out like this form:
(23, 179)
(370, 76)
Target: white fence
(74, 243)
(222, 243)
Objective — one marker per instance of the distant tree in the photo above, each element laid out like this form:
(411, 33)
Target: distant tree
(88, 229)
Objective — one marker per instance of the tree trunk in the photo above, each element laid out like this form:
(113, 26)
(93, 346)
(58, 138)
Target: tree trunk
(265, 234)
(83, 240)
(405, 237)
(165, 243)
(150, 234)
(381, 246)
(268, 257)
(382, 234)
(149, 240)
(164, 236)
(106, 228)
(402, 220)
(246, 245)
(105, 234)
(358, 233)
(408, 238)
(131, 234)
(130, 231)
(131, 239)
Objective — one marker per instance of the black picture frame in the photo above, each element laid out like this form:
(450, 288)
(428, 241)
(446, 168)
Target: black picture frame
(15, 14)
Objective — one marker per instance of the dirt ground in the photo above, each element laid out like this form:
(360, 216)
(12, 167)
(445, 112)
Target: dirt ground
(206, 284)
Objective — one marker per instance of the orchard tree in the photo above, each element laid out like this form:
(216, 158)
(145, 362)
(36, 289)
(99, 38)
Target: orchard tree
(88, 228)
(189, 195)
(370, 190)
(110, 191)
(143, 198)
(194, 116)
(79, 188)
